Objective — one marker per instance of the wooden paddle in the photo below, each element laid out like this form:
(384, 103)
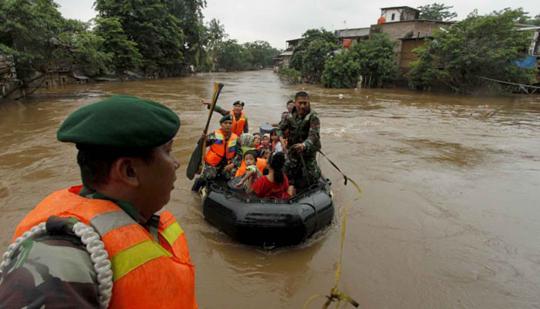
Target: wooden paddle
(194, 165)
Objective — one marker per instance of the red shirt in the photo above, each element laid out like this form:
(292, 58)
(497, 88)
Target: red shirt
(262, 187)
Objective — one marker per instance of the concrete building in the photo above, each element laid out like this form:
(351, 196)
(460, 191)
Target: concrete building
(349, 37)
(408, 34)
(283, 59)
(399, 13)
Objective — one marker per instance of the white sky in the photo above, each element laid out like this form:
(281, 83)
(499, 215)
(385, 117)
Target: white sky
(276, 21)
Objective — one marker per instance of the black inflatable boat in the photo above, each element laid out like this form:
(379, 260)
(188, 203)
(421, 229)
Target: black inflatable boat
(268, 222)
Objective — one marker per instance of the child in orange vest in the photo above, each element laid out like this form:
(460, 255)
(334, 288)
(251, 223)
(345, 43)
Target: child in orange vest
(252, 172)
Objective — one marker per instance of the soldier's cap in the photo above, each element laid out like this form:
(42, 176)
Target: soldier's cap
(238, 103)
(120, 122)
(225, 118)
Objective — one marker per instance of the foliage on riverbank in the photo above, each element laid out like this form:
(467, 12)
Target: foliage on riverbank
(372, 59)
(310, 56)
(290, 75)
(478, 46)
(157, 39)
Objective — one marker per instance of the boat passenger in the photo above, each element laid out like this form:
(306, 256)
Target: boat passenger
(265, 144)
(303, 143)
(276, 143)
(252, 172)
(223, 153)
(238, 117)
(275, 184)
(257, 140)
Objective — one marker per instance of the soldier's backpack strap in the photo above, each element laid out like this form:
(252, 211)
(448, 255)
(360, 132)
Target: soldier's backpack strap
(90, 239)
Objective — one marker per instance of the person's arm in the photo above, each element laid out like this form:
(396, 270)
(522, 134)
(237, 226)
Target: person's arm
(283, 125)
(314, 133)
(217, 108)
(220, 110)
(210, 139)
(51, 272)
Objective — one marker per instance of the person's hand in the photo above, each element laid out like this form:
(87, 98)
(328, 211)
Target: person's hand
(298, 147)
(228, 167)
(291, 190)
(238, 185)
(203, 102)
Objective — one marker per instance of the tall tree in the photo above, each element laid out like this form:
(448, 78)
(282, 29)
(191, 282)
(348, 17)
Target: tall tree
(479, 46)
(436, 11)
(125, 54)
(313, 50)
(262, 54)
(157, 32)
(189, 13)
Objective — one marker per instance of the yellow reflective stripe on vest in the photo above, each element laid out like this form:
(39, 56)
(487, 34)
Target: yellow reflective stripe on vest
(135, 256)
(172, 232)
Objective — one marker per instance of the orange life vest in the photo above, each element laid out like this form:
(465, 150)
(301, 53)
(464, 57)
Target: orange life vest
(146, 274)
(221, 148)
(238, 124)
(261, 165)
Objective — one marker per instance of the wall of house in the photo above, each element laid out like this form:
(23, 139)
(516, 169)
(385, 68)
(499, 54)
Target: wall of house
(407, 54)
(388, 15)
(406, 29)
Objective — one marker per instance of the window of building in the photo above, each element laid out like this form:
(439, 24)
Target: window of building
(393, 16)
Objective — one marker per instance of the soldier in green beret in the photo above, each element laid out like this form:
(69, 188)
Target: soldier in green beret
(223, 154)
(128, 172)
(239, 119)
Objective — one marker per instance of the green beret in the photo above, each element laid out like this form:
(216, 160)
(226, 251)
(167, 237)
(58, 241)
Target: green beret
(225, 118)
(121, 122)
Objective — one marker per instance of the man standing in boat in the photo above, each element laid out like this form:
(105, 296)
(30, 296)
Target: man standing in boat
(223, 154)
(238, 118)
(102, 244)
(303, 142)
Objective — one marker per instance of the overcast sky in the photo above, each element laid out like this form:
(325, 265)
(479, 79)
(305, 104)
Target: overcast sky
(276, 21)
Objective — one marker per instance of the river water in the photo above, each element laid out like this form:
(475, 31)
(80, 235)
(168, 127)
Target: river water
(449, 217)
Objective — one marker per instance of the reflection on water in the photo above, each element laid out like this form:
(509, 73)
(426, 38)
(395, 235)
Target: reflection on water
(448, 218)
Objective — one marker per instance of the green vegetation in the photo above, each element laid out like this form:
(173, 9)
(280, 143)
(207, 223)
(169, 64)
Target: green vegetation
(231, 56)
(157, 39)
(372, 59)
(479, 46)
(290, 76)
(436, 11)
(310, 56)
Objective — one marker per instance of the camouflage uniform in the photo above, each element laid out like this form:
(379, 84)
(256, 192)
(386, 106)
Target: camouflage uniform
(55, 269)
(304, 130)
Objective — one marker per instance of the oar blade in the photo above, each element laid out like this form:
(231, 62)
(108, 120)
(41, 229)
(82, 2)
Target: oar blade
(194, 162)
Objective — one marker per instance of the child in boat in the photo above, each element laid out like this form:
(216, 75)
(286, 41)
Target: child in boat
(275, 184)
(265, 144)
(276, 144)
(257, 140)
(252, 172)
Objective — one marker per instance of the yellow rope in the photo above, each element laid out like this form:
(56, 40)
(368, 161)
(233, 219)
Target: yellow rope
(335, 294)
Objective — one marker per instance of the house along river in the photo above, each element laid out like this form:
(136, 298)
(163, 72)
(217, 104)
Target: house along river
(449, 218)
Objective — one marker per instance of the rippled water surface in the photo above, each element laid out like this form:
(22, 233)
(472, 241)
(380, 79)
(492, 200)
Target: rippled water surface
(449, 217)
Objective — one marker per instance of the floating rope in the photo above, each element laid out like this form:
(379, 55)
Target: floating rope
(335, 294)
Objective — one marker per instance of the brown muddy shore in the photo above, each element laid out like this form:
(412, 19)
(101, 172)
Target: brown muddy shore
(448, 218)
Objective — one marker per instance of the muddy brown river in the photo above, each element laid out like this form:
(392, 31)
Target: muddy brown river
(449, 217)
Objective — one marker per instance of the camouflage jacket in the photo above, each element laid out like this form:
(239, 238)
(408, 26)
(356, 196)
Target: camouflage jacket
(304, 130)
(56, 270)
